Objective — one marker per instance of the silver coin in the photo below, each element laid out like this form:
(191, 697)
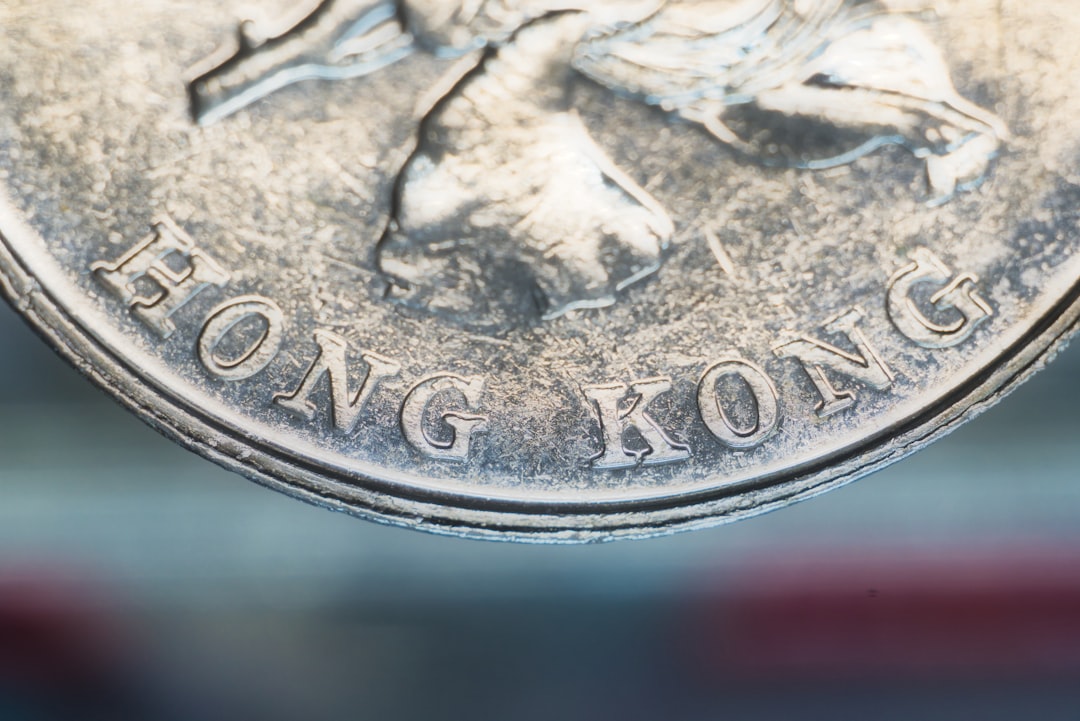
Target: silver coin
(545, 270)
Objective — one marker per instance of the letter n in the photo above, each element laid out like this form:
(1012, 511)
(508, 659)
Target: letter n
(817, 357)
(332, 361)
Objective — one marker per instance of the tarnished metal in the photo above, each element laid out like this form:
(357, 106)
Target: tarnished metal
(547, 270)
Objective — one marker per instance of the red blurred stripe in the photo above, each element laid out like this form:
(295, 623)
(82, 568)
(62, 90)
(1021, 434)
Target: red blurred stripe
(840, 615)
(55, 630)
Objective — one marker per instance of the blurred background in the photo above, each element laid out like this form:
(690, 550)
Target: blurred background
(138, 581)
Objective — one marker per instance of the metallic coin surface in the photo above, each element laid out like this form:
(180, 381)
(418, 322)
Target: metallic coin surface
(549, 270)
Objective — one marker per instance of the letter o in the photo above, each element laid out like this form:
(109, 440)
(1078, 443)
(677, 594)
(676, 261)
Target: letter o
(765, 398)
(258, 354)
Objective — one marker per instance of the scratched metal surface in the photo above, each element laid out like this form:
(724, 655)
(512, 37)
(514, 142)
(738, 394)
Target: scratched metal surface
(316, 199)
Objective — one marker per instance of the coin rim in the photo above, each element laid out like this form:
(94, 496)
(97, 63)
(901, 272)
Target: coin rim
(529, 522)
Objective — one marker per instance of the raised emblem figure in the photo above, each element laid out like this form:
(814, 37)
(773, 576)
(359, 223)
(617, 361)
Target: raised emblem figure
(508, 210)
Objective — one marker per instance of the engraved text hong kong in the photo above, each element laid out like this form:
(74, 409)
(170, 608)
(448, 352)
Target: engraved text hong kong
(441, 414)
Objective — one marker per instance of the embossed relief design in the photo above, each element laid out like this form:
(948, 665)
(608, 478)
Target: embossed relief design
(507, 210)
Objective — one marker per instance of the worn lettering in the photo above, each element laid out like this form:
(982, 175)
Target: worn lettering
(160, 275)
(760, 398)
(957, 295)
(622, 408)
(816, 356)
(463, 424)
(332, 361)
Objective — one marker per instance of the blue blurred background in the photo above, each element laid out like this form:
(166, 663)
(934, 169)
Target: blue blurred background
(138, 581)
